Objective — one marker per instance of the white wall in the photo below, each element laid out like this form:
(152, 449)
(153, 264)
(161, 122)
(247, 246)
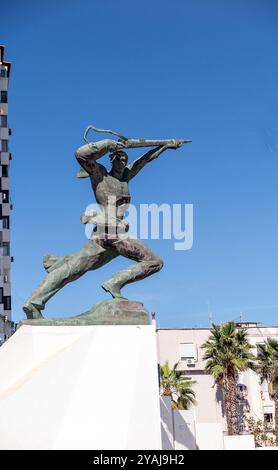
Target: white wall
(243, 442)
(184, 429)
(209, 436)
(84, 387)
(167, 430)
(177, 427)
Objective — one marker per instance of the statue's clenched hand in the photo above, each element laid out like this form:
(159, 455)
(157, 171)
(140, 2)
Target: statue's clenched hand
(114, 145)
(174, 144)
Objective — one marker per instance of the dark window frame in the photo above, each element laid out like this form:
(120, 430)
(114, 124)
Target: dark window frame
(4, 120)
(4, 145)
(6, 246)
(5, 171)
(3, 96)
(6, 222)
(7, 301)
(3, 73)
(268, 418)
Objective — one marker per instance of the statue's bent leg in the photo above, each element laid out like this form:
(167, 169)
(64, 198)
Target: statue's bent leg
(92, 256)
(148, 263)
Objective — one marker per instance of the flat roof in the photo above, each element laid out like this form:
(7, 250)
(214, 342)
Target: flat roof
(209, 327)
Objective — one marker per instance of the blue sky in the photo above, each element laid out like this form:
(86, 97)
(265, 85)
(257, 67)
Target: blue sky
(205, 70)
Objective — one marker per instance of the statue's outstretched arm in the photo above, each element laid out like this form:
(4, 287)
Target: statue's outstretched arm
(138, 164)
(88, 154)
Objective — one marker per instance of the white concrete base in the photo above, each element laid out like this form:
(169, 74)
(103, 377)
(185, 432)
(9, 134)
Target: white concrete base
(209, 436)
(266, 448)
(242, 442)
(184, 429)
(80, 387)
(167, 424)
(177, 427)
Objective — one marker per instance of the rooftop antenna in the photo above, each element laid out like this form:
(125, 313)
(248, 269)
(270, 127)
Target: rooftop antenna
(241, 317)
(209, 314)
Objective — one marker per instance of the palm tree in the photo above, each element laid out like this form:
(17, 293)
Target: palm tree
(267, 367)
(227, 352)
(174, 385)
(186, 395)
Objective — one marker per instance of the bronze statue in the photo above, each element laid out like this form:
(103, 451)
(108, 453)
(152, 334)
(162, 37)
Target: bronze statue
(109, 238)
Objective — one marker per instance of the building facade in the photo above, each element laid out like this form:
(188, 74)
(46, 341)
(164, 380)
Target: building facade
(183, 346)
(5, 203)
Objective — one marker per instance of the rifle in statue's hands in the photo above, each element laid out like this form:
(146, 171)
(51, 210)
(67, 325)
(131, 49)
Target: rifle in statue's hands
(125, 143)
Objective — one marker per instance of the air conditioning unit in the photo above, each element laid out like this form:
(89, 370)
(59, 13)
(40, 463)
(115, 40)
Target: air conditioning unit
(190, 362)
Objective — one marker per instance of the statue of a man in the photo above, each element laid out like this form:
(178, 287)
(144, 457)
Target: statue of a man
(109, 238)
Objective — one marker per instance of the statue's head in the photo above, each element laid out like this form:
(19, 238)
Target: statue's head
(119, 160)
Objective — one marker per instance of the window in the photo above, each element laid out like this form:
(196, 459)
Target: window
(4, 121)
(4, 96)
(5, 196)
(188, 351)
(4, 145)
(1, 295)
(6, 248)
(242, 391)
(6, 221)
(3, 72)
(268, 418)
(5, 172)
(7, 302)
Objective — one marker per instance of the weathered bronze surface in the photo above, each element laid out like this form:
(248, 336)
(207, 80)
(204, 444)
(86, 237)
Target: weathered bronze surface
(110, 236)
(108, 312)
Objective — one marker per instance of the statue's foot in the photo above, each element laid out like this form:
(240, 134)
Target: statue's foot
(116, 293)
(31, 311)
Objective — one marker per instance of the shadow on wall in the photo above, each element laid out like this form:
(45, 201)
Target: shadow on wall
(243, 404)
(166, 425)
(184, 430)
(220, 398)
(177, 427)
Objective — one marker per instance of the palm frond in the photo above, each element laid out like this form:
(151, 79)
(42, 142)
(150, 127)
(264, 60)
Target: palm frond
(174, 383)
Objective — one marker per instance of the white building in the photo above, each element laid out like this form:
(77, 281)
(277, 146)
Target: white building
(183, 345)
(5, 203)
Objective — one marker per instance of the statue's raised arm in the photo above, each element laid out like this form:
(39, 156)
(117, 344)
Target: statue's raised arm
(139, 163)
(89, 153)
